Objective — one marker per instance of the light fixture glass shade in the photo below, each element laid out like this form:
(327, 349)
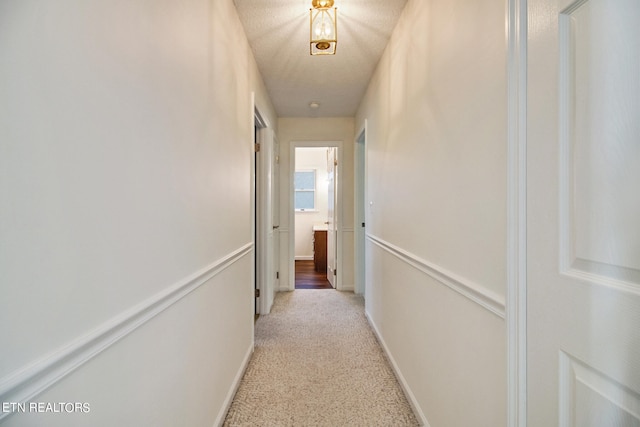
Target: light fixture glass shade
(324, 28)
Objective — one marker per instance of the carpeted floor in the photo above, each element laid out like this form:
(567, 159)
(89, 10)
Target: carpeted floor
(318, 363)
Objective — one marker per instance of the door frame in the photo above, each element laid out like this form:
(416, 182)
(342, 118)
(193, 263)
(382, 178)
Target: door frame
(291, 208)
(333, 179)
(259, 215)
(516, 256)
(360, 210)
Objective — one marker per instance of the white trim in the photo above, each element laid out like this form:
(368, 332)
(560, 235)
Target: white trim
(257, 120)
(260, 119)
(516, 307)
(265, 221)
(304, 257)
(33, 379)
(234, 388)
(396, 370)
(482, 296)
(347, 288)
(359, 210)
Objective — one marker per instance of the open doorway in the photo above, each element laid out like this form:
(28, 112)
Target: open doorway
(315, 215)
(312, 179)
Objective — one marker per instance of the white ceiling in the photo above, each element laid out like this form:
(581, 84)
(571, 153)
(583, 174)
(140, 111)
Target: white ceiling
(278, 32)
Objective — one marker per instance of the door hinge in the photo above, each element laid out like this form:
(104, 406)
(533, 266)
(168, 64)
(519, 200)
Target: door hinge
(363, 224)
(335, 272)
(256, 147)
(277, 274)
(257, 293)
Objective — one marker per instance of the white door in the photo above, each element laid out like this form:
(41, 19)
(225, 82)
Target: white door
(332, 226)
(583, 213)
(266, 231)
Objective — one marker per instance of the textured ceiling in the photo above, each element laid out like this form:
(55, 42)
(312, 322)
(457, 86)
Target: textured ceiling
(278, 32)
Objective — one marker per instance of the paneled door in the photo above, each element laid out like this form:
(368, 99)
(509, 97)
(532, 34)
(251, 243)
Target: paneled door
(267, 230)
(583, 213)
(332, 226)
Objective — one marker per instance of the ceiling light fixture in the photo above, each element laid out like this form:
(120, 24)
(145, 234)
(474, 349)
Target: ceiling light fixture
(314, 104)
(324, 28)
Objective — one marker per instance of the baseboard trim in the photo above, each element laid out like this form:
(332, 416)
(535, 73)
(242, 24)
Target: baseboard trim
(476, 293)
(234, 387)
(396, 370)
(304, 258)
(31, 380)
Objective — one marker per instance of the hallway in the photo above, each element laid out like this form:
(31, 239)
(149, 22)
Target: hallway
(487, 172)
(317, 362)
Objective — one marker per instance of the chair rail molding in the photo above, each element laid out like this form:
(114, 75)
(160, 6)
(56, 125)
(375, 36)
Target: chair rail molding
(482, 296)
(33, 379)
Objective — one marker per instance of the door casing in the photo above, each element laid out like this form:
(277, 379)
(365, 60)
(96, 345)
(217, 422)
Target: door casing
(264, 211)
(360, 177)
(292, 166)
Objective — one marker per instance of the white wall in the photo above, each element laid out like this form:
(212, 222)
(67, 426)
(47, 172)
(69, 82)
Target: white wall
(311, 158)
(436, 207)
(125, 192)
(290, 130)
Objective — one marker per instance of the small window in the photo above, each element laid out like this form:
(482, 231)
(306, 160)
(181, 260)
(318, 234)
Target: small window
(305, 190)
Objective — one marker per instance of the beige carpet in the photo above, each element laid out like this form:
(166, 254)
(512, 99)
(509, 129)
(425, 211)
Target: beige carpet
(318, 363)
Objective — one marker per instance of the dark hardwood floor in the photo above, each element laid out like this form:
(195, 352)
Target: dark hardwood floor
(308, 278)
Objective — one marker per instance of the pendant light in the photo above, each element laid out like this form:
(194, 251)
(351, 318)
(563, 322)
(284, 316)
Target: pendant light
(324, 28)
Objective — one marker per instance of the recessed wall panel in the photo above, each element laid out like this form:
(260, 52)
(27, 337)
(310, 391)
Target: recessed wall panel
(600, 122)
